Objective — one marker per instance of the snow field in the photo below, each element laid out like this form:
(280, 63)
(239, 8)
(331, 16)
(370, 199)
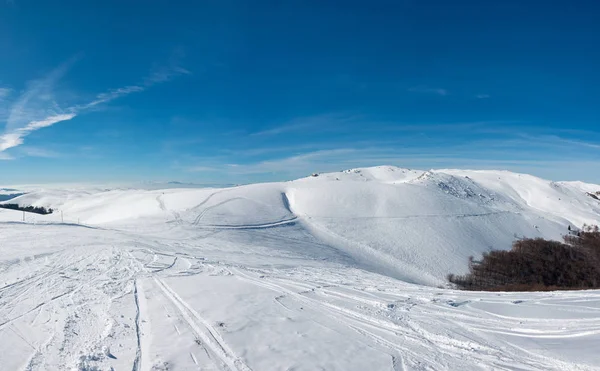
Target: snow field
(335, 272)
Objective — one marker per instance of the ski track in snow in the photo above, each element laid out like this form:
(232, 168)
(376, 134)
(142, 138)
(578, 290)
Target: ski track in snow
(442, 335)
(415, 327)
(291, 285)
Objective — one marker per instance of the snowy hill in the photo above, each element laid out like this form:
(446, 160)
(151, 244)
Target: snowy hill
(413, 225)
(382, 174)
(337, 271)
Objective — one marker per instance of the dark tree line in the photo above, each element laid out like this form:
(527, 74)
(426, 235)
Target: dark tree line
(538, 264)
(30, 209)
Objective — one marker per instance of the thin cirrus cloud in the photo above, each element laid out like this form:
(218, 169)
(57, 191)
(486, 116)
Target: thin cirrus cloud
(36, 108)
(324, 122)
(111, 95)
(4, 92)
(513, 151)
(39, 152)
(428, 90)
(557, 141)
(15, 138)
(38, 101)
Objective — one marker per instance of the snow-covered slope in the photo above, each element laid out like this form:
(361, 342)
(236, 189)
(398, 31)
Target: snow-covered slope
(559, 201)
(412, 225)
(295, 275)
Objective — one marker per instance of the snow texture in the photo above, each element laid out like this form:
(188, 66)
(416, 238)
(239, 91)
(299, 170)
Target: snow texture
(340, 271)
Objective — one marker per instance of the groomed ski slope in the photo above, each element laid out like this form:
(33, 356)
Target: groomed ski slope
(343, 271)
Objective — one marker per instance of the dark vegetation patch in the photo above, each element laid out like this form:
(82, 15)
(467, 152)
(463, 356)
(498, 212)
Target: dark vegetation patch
(30, 209)
(594, 195)
(538, 265)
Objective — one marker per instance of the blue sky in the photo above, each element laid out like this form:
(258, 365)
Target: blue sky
(227, 91)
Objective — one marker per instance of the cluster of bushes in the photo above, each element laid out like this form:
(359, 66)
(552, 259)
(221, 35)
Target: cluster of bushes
(538, 264)
(31, 209)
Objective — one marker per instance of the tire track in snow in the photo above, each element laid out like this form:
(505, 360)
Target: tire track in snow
(83, 317)
(43, 278)
(208, 199)
(408, 331)
(161, 203)
(197, 220)
(204, 330)
(359, 325)
(30, 282)
(241, 226)
(163, 207)
(155, 266)
(9, 321)
(451, 348)
(423, 216)
(253, 226)
(203, 212)
(138, 353)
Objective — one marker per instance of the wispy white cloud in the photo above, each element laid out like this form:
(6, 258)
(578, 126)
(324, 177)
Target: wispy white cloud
(6, 156)
(558, 141)
(297, 164)
(165, 73)
(37, 102)
(285, 128)
(4, 93)
(15, 138)
(48, 121)
(36, 108)
(515, 151)
(196, 169)
(324, 122)
(269, 150)
(428, 90)
(111, 95)
(38, 152)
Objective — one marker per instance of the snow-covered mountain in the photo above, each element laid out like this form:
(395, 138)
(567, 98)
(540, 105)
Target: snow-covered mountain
(337, 271)
(413, 225)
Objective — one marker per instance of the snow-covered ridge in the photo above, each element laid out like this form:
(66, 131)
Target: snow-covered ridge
(383, 174)
(413, 225)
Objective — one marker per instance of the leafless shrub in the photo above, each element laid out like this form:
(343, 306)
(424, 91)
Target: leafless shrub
(538, 265)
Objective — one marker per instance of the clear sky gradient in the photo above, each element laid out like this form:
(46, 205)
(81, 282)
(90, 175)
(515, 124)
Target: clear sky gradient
(223, 91)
